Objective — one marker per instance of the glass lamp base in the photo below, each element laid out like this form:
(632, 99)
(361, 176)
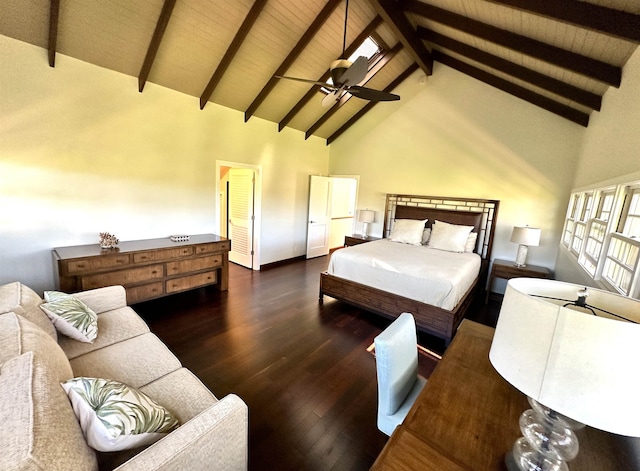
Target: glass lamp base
(548, 441)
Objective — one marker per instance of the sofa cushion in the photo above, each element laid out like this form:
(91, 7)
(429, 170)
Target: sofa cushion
(136, 361)
(18, 298)
(70, 316)
(113, 327)
(39, 429)
(114, 416)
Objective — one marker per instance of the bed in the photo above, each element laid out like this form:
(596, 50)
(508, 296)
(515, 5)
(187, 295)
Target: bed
(436, 286)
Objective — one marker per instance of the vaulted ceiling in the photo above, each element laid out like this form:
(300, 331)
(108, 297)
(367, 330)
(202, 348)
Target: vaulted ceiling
(561, 55)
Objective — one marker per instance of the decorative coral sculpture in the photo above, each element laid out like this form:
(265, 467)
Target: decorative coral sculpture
(108, 241)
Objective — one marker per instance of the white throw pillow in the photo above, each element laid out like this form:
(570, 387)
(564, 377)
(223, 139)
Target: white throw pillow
(426, 234)
(114, 416)
(449, 237)
(470, 246)
(408, 231)
(70, 316)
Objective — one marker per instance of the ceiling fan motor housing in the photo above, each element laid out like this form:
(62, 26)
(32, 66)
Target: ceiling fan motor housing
(339, 67)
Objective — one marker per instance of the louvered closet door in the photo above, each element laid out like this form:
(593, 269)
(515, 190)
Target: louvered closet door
(241, 194)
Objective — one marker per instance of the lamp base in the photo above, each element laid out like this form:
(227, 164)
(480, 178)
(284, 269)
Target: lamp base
(521, 256)
(548, 441)
(364, 230)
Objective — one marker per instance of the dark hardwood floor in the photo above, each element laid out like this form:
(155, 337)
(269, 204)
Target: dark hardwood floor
(302, 368)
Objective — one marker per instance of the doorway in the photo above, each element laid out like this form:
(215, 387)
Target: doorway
(238, 207)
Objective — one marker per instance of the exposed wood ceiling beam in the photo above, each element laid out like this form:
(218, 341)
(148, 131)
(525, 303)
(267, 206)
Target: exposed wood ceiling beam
(54, 12)
(596, 69)
(405, 32)
(161, 26)
(389, 88)
(534, 98)
(324, 77)
(579, 95)
(239, 38)
(293, 55)
(381, 61)
(606, 20)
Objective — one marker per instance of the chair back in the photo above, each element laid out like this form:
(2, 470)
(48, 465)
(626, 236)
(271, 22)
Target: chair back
(396, 363)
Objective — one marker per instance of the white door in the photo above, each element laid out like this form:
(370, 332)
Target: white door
(319, 216)
(241, 217)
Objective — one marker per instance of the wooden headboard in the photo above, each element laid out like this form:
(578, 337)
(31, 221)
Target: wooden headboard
(479, 213)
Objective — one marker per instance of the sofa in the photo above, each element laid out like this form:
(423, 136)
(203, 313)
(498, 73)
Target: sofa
(41, 429)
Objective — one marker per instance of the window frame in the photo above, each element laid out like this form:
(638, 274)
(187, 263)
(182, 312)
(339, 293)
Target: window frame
(594, 235)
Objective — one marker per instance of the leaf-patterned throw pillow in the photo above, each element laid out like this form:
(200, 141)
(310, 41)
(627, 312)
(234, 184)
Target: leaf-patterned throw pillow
(70, 316)
(114, 416)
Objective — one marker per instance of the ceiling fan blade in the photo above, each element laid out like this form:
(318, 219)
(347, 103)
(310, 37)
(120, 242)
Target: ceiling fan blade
(371, 94)
(323, 84)
(356, 73)
(331, 99)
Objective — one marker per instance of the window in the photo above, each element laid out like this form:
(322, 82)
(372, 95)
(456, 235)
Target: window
(602, 230)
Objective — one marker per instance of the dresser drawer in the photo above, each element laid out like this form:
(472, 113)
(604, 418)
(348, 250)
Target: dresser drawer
(224, 246)
(194, 264)
(189, 282)
(96, 263)
(141, 293)
(122, 277)
(160, 255)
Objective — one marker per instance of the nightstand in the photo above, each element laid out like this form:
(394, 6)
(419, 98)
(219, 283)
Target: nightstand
(356, 239)
(507, 269)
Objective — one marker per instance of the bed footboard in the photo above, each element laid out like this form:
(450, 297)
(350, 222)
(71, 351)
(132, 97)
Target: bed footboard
(430, 319)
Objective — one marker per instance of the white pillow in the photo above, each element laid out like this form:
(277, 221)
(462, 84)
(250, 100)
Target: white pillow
(426, 234)
(70, 316)
(408, 231)
(470, 246)
(114, 416)
(449, 237)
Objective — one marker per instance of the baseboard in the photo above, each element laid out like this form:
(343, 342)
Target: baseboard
(279, 263)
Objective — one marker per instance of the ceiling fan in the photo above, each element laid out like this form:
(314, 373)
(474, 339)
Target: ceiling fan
(346, 76)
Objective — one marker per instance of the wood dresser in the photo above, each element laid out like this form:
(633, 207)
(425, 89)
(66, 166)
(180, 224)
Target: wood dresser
(147, 269)
(466, 418)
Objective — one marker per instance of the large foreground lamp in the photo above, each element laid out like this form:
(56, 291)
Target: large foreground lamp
(574, 352)
(526, 237)
(365, 216)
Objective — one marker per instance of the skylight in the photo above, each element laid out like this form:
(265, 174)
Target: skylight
(369, 48)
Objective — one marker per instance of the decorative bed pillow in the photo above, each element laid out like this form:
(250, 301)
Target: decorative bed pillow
(70, 316)
(426, 235)
(449, 237)
(470, 246)
(114, 416)
(408, 231)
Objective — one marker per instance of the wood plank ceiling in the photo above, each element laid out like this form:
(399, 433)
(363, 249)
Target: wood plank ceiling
(560, 55)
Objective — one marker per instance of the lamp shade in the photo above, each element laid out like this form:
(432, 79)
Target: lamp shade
(581, 365)
(366, 215)
(526, 236)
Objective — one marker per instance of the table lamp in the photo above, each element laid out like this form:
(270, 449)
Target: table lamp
(365, 216)
(524, 236)
(574, 352)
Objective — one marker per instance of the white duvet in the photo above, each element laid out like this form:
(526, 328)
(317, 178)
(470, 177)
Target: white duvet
(427, 275)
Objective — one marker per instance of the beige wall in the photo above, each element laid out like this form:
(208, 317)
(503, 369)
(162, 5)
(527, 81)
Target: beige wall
(459, 137)
(612, 143)
(81, 151)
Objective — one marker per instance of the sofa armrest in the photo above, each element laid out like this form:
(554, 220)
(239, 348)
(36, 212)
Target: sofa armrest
(217, 438)
(103, 299)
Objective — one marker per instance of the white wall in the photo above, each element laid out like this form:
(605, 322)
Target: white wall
(610, 152)
(455, 136)
(81, 151)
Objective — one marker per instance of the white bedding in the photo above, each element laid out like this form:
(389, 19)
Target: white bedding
(427, 275)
